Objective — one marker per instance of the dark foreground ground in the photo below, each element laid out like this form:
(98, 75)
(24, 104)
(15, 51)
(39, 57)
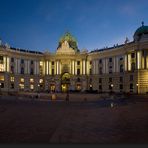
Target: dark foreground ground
(122, 121)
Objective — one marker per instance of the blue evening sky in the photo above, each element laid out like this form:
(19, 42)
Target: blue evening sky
(38, 24)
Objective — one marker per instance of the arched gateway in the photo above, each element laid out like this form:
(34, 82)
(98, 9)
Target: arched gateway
(65, 82)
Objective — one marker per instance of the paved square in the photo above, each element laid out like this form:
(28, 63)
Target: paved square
(73, 122)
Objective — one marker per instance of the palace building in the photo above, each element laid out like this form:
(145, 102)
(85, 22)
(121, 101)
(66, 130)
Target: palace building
(121, 68)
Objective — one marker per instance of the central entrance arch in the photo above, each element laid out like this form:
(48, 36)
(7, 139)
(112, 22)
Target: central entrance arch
(65, 81)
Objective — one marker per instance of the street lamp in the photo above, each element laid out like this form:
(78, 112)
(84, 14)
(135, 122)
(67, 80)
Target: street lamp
(38, 87)
(137, 87)
(112, 87)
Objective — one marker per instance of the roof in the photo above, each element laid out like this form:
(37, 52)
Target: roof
(141, 30)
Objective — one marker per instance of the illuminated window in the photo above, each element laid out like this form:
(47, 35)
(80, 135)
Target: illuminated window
(12, 79)
(1, 78)
(41, 81)
(41, 67)
(21, 86)
(1, 67)
(78, 87)
(41, 63)
(31, 87)
(31, 80)
(22, 80)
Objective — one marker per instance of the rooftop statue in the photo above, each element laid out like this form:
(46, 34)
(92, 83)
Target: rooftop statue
(69, 40)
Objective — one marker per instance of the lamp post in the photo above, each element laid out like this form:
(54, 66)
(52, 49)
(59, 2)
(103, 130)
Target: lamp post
(112, 87)
(38, 87)
(137, 87)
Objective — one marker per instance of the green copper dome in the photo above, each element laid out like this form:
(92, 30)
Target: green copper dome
(141, 30)
(70, 39)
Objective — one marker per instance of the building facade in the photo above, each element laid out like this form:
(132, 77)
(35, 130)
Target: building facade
(121, 68)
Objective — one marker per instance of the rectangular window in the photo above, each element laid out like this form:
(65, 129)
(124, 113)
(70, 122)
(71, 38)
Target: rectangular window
(52, 71)
(78, 63)
(100, 61)
(22, 80)
(12, 79)
(100, 70)
(31, 62)
(1, 67)
(121, 58)
(1, 78)
(31, 80)
(110, 59)
(12, 60)
(12, 69)
(21, 86)
(31, 87)
(78, 71)
(22, 61)
(52, 63)
(121, 79)
(12, 85)
(121, 86)
(100, 87)
(131, 86)
(1, 59)
(31, 71)
(100, 80)
(22, 70)
(132, 55)
(41, 81)
(131, 77)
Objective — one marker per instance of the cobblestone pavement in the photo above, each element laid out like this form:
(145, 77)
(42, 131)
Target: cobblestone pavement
(73, 122)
